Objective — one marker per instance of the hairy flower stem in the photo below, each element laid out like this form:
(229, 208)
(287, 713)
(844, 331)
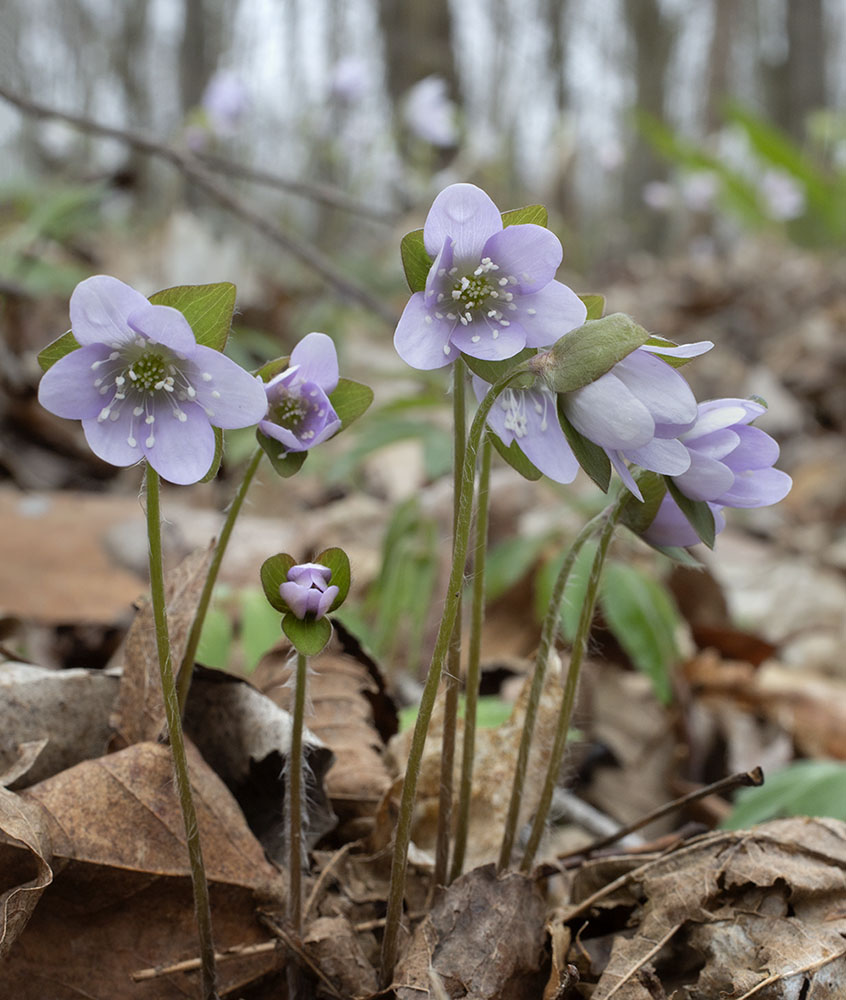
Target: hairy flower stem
(549, 630)
(202, 905)
(295, 799)
(477, 615)
(611, 516)
(459, 412)
(402, 836)
(187, 666)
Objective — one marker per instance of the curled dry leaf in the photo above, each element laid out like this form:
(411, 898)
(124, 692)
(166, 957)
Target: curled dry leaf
(334, 947)
(747, 913)
(25, 859)
(123, 901)
(483, 937)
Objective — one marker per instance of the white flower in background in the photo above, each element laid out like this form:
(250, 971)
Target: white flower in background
(658, 195)
(348, 80)
(784, 196)
(699, 190)
(430, 114)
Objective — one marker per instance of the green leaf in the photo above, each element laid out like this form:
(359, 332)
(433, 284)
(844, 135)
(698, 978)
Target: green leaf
(215, 639)
(535, 215)
(515, 458)
(583, 355)
(680, 556)
(208, 309)
(350, 400)
(641, 615)
(638, 515)
(672, 361)
(57, 349)
(274, 368)
(273, 573)
(574, 592)
(259, 626)
(509, 561)
(492, 371)
(590, 456)
(415, 261)
(595, 305)
(805, 788)
(285, 463)
(697, 512)
(337, 561)
(307, 636)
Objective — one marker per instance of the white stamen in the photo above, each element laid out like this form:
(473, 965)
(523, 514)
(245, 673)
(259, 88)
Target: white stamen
(532, 312)
(206, 377)
(446, 348)
(475, 338)
(149, 419)
(131, 441)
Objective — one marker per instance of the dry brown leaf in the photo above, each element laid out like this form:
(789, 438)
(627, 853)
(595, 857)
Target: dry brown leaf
(334, 947)
(347, 710)
(123, 902)
(483, 938)
(139, 711)
(25, 864)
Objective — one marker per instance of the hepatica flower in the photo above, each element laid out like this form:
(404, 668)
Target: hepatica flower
(307, 590)
(299, 414)
(731, 465)
(143, 387)
(491, 290)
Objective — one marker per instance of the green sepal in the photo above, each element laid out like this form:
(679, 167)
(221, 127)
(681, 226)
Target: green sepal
(673, 362)
(492, 371)
(273, 573)
(638, 515)
(57, 349)
(218, 456)
(697, 512)
(350, 400)
(208, 309)
(274, 368)
(515, 458)
(585, 354)
(308, 636)
(679, 555)
(417, 263)
(285, 463)
(337, 561)
(590, 456)
(595, 305)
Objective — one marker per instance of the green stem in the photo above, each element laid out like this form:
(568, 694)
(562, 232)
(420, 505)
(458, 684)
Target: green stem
(202, 905)
(549, 630)
(611, 516)
(477, 616)
(295, 799)
(187, 666)
(402, 837)
(459, 411)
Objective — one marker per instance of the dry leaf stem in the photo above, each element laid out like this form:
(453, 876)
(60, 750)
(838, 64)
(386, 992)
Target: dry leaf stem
(471, 693)
(549, 630)
(187, 666)
(199, 884)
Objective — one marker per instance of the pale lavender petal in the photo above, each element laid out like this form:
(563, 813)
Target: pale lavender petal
(717, 413)
(498, 412)
(181, 451)
(296, 597)
(706, 479)
(529, 253)
(548, 314)
(99, 308)
(109, 439)
(231, 396)
(718, 444)
(164, 325)
(757, 488)
(680, 350)
(660, 388)
(667, 456)
(608, 414)
(67, 389)
(318, 361)
(438, 277)
(755, 449)
(671, 528)
(545, 444)
(421, 339)
(465, 213)
(281, 434)
(326, 600)
(617, 459)
(489, 342)
(310, 575)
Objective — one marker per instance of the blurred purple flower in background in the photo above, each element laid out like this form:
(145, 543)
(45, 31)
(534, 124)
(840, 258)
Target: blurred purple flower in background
(143, 387)
(225, 101)
(784, 196)
(307, 590)
(348, 80)
(430, 114)
(299, 414)
(490, 291)
(731, 465)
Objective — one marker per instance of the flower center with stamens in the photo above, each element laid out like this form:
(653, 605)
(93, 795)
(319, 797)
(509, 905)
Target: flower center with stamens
(472, 291)
(288, 410)
(514, 404)
(149, 372)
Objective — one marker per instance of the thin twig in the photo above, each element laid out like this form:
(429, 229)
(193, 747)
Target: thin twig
(814, 966)
(294, 944)
(192, 167)
(643, 960)
(753, 778)
(190, 964)
(333, 863)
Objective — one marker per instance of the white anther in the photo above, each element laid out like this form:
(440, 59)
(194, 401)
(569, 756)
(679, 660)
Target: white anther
(206, 377)
(446, 348)
(503, 282)
(475, 338)
(150, 441)
(532, 312)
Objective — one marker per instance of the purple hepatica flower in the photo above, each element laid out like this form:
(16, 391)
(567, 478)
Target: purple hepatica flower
(430, 114)
(731, 465)
(299, 414)
(490, 291)
(529, 417)
(143, 387)
(307, 590)
(225, 101)
(636, 411)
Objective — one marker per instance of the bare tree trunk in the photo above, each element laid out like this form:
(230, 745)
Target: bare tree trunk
(418, 43)
(200, 49)
(796, 85)
(719, 61)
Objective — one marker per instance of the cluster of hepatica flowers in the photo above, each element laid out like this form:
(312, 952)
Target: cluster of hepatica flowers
(491, 292)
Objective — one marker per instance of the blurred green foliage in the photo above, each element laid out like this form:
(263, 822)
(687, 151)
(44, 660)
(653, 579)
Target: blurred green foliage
(804, 788)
